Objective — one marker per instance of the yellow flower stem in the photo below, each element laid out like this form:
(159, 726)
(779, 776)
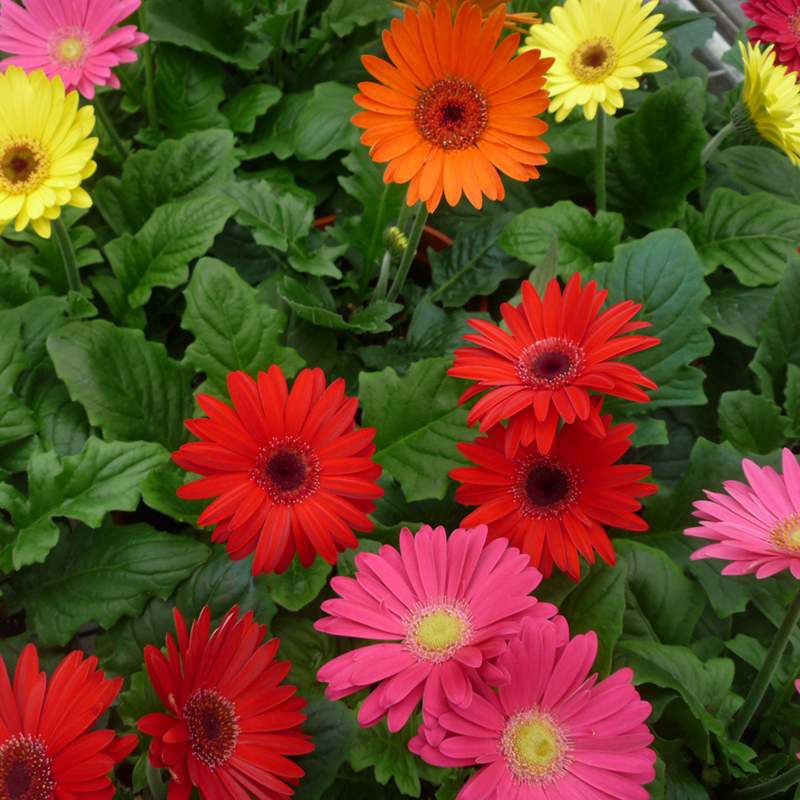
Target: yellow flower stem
(408, 256)
(149, 71)
(600, 162)
(108, 124)
(68, 254)
(715, 142)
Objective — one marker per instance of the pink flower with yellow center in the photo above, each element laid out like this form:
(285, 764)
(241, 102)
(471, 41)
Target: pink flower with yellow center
(70, 38)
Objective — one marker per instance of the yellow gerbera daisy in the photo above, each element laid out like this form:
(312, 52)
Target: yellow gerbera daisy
(772, 98)
(600, 47)
(44, 150)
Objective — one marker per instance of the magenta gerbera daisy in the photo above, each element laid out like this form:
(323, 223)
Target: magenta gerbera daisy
(70, 38)
(757, 526)
(778, 23)
(550, 732)
(443, 606)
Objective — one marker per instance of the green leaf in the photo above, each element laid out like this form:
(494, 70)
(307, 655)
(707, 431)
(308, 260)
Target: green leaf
(307, 649)
(663, 605)
(792, 394)
(220, 583)
(139, 700)
(324, 126)
(129, 387)
(656, 161)
(752, 423)
(582, 239)
(159, 254)
(738, 312)
(343, 16)
(762, 169)
(274, 132)
(597, 604)
(474, 264)
(18, 285)
(105, 574)
(232, 330)
(418, 423)
(298, 586)
(663, 273)
(176, 170)
(16, 420)
(62, 423)
(752, 235)
(251, 103)
(159, 492)
(86, 486)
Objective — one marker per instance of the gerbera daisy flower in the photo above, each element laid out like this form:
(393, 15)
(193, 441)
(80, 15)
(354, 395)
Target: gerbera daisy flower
(442, 608)
(70, 38)
(756, 525)
(777, 23)
(44, 150)
(554, 506)
(229, 725)
(455, 107)
(512, 21)
(290, 470)
(600, 47)
(550, 731)
(48, 747)
(556, 351)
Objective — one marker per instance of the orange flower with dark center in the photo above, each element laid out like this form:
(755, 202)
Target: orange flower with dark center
(455, 107)
(512, 21)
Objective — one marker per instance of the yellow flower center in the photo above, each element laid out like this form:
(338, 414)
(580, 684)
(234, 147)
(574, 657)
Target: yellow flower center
(786, 534)
(23, 165)
(437, 629)
(70, 50)
(535, 746)
(69, 47)
(593, 60)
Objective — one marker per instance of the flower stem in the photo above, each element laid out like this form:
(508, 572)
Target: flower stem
(149, 71)
(600, 162)
(411, 251)
(764, 676)
(108, 124)
(715, 142)
(386, 263)
(769, 788)
(68, 254)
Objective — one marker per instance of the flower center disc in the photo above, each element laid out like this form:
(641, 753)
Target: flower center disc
(794, 24)
(545, 488)
(24, 769)
(546, 485)
(593, 60)
(211, 722)
(550, 363)
(535, 747)
(452, 113)
(287, 469)
(23, 165)
(436, 630)
(69, 47)
(786, 534)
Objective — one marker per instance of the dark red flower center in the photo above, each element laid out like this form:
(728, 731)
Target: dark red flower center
(18, 163)
(288, 469)
(550, 363)
(24, 769)
(211, 723)
(545, 487)
(452, 113)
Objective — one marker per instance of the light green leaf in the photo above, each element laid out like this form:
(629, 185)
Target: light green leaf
(418, 424)
(324, 126)
(129, 387)
(103, 575)
(248, 105)
(159, 492)
(752, 423)
(298, 586)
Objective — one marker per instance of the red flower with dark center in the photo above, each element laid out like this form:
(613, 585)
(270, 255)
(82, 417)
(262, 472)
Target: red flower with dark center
(47, 747)
(556, 352)
(777, 23)
(290, 470)
(553, 505)
(230, 725)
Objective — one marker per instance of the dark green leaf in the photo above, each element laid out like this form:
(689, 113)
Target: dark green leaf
(251, 103)
(762, 169)
(738, 312)
(324, 126)
(62, 423)
(307, 649)
(342, 16)
(298, 586)
(752, 423)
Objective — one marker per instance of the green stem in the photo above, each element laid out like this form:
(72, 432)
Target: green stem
(386, 262)
(68, 254)
(108, 124)
(411, 251)
(600, 162)
(301, 15)
(769, 788)
(149, 71)
(715, 142)
(764, 676)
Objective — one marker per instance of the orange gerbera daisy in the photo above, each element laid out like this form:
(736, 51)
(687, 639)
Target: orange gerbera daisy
(455, 108)
(513, 21)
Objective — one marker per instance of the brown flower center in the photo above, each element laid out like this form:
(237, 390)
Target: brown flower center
(24, 769)
(288, 469)
(23, 165)
(550, 363)
(452, 113)
(211, 722)
(593, 60)
(545, 487)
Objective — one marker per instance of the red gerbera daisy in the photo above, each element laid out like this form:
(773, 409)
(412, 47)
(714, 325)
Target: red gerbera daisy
(46, 747)
(553, 505)
(555, 353)
(778, 23)
(229, 725)
(292, 471)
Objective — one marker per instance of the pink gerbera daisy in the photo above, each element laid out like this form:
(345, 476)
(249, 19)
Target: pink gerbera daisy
(756, 527)
(778, 23)
(445, 605)
(70, 38)
(549, 732)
